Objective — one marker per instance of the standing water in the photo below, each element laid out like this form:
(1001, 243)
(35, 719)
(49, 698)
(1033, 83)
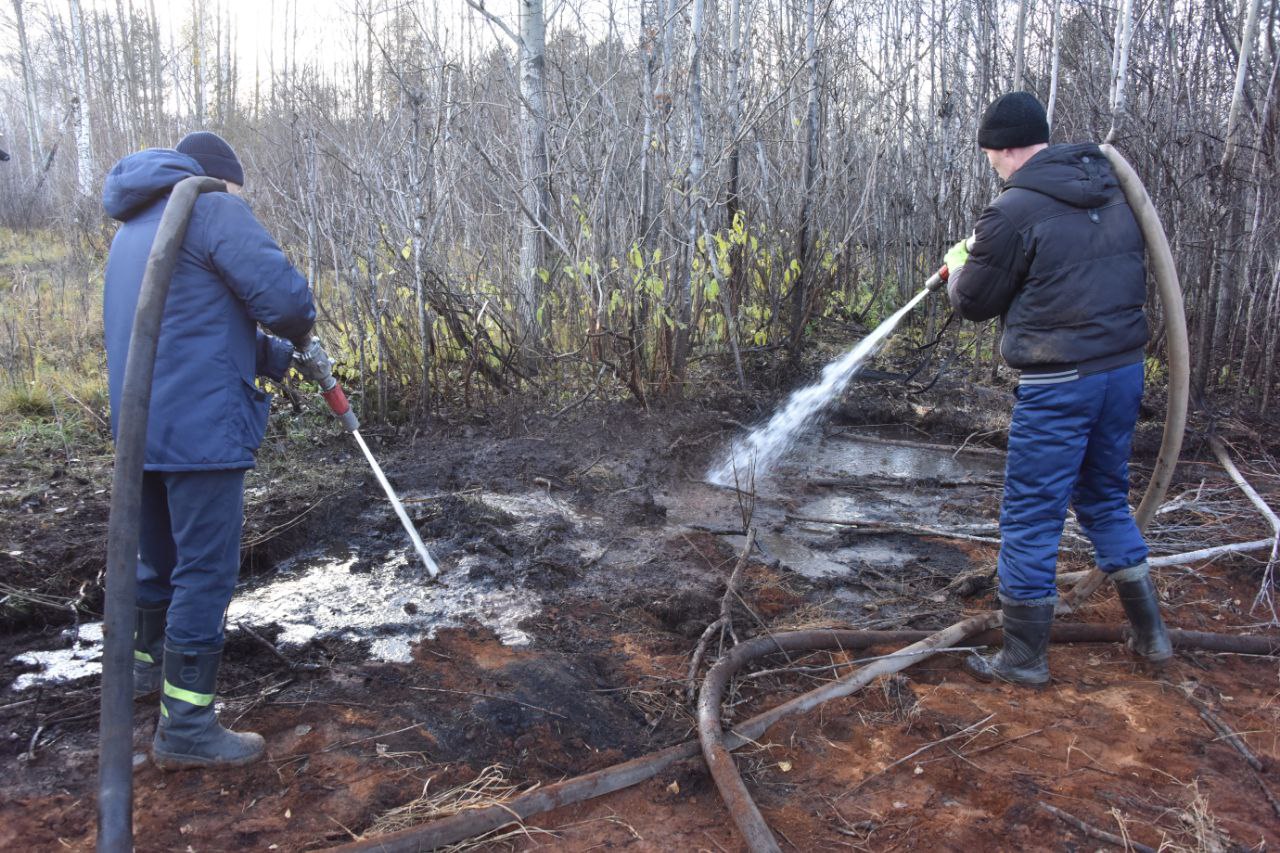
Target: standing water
(752, 457)
(397, 506)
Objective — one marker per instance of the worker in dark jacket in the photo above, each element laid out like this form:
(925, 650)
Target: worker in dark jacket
(1059, 258)
(206, 420)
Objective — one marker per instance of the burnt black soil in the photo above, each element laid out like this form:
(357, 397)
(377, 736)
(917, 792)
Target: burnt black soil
(602, 680)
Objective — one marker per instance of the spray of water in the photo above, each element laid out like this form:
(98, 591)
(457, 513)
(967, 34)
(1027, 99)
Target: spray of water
(752, 456)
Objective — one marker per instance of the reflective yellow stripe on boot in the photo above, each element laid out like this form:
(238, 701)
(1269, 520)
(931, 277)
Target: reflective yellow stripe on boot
(190, 697)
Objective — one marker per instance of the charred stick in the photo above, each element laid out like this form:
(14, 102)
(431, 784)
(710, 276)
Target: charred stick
(724, 621)
(1214, 722)
(1093, 831)
(1266, 792)
(878, 527)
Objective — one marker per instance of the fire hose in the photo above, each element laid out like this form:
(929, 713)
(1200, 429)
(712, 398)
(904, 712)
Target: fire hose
(716, 744)
(475, 822)
(115, 726)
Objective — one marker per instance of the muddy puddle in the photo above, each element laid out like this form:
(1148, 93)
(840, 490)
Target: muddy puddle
(376, 591)
(806, 510)
(580, 567)
(498, 551)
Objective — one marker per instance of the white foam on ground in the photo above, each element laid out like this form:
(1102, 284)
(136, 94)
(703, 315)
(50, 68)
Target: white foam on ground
(81, 657)
(386, 605)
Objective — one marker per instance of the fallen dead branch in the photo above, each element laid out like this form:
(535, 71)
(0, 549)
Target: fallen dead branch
(879, 527)
(1215, 723)
(1266, 792)
(1093, 831)
(951, 450)
(1268, 574)
(724, 622)
(1204, 554)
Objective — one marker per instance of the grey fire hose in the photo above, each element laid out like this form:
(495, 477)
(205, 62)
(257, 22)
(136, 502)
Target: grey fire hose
(1175, 323)
(751, 824)
(475, 822)
(115, 729)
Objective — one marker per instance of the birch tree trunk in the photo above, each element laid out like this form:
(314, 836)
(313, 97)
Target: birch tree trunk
(534, 168)
(1055, 25)
(1020, 46)
(85, 172)
(1242, 70)
(198, 62)
(697, 155)
(1120, 67)
(34, 136)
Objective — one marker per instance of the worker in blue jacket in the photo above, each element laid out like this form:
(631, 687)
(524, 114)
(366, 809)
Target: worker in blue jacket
(206, 421)
(1058, 256)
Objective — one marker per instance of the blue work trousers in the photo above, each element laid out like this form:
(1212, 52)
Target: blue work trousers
(1069, 444)
(189, 550)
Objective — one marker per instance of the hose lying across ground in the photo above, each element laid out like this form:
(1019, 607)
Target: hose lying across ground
(716, 744)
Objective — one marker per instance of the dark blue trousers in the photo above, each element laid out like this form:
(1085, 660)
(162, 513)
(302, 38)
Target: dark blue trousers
(1069, 445)
(189, 551)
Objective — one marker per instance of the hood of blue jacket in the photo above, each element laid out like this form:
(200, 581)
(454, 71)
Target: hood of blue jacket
(1078, 175)
(139, 180)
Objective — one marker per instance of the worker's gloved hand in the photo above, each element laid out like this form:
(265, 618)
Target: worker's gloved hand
(313, 362)
(957, 256)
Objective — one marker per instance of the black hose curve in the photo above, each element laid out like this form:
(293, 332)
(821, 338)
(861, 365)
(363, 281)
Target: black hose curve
(474, 822)
(115, 726)
(715, 746)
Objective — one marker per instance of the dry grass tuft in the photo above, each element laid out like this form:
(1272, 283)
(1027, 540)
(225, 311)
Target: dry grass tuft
(490, 788)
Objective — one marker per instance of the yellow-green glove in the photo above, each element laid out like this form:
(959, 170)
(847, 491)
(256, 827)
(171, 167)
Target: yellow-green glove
(956, 257)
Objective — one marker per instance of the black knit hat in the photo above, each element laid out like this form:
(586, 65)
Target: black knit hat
(214, 155)
(1015, 120)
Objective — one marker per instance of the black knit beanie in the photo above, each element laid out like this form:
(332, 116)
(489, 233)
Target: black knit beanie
(214, 155)
(1015, 120)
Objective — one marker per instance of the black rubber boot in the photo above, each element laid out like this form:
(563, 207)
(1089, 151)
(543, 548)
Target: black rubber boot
(1025, 656)
(1150, 638)
(189, 734)
(148, 649)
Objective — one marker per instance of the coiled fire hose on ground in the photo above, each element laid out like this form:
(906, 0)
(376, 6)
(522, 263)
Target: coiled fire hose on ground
(716, 745)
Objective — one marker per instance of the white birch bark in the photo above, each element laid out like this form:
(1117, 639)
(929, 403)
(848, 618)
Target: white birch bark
(1020, 46)
(533, 164)
(85, 172)
(1053, 62)
(1242, 72)
(1120, 66)
(697, 158)
(34, 136)
(805, 238)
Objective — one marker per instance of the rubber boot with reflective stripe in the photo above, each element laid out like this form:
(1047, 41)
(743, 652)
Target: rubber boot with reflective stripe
(1025, 656)
(148, 649)
(189, 734)
(1137, 593)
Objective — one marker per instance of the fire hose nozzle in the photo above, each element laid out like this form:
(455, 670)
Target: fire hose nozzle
(338, 404)
(314, 363)
(936, 281)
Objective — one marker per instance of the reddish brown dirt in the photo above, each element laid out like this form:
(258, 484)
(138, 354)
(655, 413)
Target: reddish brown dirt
(1109, 742)
(350, 740)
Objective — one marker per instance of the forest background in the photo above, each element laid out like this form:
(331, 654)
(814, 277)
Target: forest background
(630, 198)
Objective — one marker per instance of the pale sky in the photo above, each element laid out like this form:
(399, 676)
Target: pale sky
(324, 27)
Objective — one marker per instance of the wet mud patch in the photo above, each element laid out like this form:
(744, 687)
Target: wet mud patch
(582, 561)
